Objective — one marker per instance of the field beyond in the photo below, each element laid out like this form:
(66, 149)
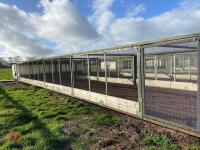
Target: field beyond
(6, 74)
(32, 118)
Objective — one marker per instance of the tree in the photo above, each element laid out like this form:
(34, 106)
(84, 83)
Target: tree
(15, 59)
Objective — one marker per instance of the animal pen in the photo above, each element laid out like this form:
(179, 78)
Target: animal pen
(157, 81)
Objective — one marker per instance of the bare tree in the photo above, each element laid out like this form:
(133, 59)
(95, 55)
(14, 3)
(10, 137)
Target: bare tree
(15, 59)
(30, 58)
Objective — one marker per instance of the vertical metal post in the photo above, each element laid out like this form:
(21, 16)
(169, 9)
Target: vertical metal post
(108, 68)
(38, 71)
(28, 68)
(105, 68)
(43, 69)
(88, 64)
(97, 65)
(198, 83)
(19, 71)
(33, 68)
(171, 65)
(141, 80)
(174, 67)
(52, 71)
(118, 66)
(83, 69)
(155, 67)
(59, 71)
(17, 68)
(72, 72)
(65, 67)
(190, 76)
(133, 70)
(24, 71)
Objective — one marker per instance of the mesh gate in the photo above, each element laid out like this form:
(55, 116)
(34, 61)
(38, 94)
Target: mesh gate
(171, 88)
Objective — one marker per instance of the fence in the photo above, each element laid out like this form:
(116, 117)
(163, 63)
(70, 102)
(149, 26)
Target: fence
(156, 80)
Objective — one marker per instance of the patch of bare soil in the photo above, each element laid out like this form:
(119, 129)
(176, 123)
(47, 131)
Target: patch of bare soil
(125, 136)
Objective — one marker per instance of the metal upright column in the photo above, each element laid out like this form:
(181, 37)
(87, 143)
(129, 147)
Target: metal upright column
(118, 65)
(155, 67)
(198, 83)
(38, 71)
(24, 70)
(190, 76)
(71, 70)
(28, 68)
(105, 68)
(83, 69)
(133, 70)
(43, 69)
(97, 65)
(88, 63)
(33, 70)
(31, 65)
(52, 71)
(141, 80)
(174, 67)
(20, 70)
(17, 69)
(59, 71)
(171, 66)
(108, 69)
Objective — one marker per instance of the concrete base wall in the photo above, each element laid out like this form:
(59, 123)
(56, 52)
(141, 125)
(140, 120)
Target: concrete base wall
(188, 86)
(118, 104)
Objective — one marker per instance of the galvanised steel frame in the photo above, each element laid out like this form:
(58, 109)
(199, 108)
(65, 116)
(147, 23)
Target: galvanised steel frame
(172, 42)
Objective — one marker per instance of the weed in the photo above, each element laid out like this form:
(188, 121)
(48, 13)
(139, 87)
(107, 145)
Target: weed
(158, 142)
(13, 137)
(84, 143)
(104, 120)
(192, 147)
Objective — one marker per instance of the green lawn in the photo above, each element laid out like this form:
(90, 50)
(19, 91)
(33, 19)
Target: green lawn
(31, 118)
(5, 74)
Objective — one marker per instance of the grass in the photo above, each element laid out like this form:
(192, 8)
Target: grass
(160, 142)
(104, 120)
(5, 74)
(31, 118)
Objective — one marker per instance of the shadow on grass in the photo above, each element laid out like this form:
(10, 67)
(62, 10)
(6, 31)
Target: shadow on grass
(26, 116)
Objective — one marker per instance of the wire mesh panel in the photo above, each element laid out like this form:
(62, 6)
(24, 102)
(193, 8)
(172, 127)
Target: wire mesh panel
(186, 67)
(171, 88)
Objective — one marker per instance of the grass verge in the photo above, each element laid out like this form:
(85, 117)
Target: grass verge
(31, 118)
(5, 74)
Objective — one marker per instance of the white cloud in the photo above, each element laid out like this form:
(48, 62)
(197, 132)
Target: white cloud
(133, 28)
(61, 21)
(135, 10)
(102, 16)
(23, 33)
(15, 33)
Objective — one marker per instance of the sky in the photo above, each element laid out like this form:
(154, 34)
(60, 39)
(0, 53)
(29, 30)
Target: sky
(44, 28)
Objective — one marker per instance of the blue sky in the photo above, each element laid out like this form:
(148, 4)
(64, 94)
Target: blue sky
(153, 7)
(45, 28)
